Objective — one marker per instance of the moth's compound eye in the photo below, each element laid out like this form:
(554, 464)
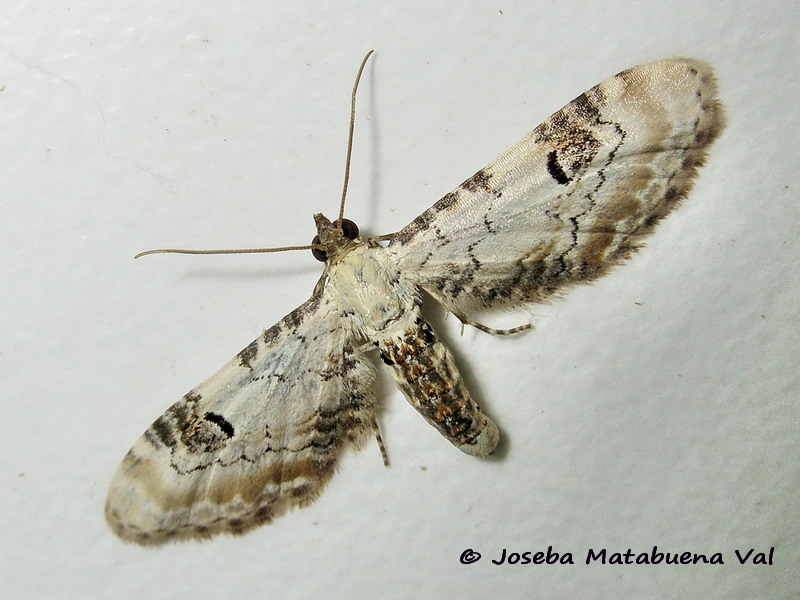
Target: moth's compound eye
(320, 255)
(349, 229)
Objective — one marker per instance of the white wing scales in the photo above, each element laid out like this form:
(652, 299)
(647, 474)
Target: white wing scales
(261, 435)
(572, 198)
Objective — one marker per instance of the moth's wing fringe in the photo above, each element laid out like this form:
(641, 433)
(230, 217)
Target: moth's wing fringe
(189, 532)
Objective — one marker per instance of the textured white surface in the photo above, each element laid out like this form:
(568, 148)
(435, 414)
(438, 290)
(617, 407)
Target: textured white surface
(657, 406)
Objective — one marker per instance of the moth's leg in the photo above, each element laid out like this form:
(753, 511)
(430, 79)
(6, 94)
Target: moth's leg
(374, 424)
(468, 321)
(320, 287)
(379, 439)
(367, 346)
(372, 242)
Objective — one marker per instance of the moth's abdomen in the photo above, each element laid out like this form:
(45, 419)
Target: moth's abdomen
(424, 370)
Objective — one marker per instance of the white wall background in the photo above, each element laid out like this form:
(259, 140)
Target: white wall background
(655, 407)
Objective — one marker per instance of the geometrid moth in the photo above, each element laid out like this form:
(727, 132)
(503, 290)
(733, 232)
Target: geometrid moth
(572, 199)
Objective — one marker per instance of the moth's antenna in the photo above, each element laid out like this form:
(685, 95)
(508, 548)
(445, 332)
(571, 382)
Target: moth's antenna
(341, 206)
(350, 137)
(233, 251)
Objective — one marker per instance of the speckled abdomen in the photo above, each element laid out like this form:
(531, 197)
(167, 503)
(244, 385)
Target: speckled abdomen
(424, 370)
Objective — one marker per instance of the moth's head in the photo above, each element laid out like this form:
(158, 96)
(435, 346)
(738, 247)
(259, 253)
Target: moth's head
(335, 237)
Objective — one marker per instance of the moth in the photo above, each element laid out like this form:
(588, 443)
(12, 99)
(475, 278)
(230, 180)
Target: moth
(573, 198)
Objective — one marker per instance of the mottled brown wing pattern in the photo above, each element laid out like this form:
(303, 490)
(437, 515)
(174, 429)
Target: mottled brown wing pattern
(260, 436)
(572, 198)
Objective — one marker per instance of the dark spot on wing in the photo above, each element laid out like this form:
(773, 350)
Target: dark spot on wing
(192, 397)
(587, 105)
(555, 170)
(162, 428)
(446, 201)
(247, 355)
(479, 181)
(220, 422)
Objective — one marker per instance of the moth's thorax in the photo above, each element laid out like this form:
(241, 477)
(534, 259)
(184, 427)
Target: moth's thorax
(365, 283)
